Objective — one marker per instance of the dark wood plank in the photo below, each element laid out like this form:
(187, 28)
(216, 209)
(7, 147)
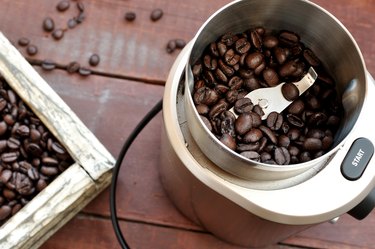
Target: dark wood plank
(138, 49)
(84, 232)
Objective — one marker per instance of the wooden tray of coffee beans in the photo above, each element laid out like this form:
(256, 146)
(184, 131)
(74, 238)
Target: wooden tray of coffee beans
(51, 165)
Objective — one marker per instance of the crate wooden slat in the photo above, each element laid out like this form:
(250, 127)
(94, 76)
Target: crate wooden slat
(76, 186)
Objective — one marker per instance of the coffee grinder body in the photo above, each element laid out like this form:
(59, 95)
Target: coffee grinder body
(258, 212)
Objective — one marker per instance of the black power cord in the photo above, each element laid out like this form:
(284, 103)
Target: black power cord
(146, 119)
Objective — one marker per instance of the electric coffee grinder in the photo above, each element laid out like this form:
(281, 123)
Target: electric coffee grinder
(254, 204)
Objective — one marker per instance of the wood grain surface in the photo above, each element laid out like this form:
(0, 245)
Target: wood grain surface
(125, 85)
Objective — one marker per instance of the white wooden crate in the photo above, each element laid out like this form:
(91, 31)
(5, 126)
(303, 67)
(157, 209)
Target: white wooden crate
(76, 186)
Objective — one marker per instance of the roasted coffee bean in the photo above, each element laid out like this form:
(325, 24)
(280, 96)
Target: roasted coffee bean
(48, 65)
(243, 105)
(32, 49)
(242, 45)
(13, 143)
(3, 128)
(34, 149)
(227, 120)
(58, 34)
(221, 89)
(217, 109)
(227, 70)
(268, 133)
(94, 60)
(156, 15)
(312, 144)
(206, 122)
(23, 131)
(205, 96)
(80, 18)
(274, 121)
(257, 120)
(258, 110)
(282, 156)
(251, 83)
(180, 43)
(63, 5)
(3, 104)
(23, 42)
(311, 58)
(209, 62)
(9, 157)
(288, 69)
(248, 147)
(213, 49)
(295, 120)
(252, 136)
(202, 109)
(72, 23)
(283, 141)
(281, 54)
(49, 171)
(289, 38)
(5, 176)
(231, 58)
(48, 24)
(270, 41)
(290, 91)
(130, 16)
(235, 83)
(73, 67)
(256, 40)
(229, 39)
(252, 155)
(231, 96)
(221, 76)
(270, 77)
(83, 71)
(296, 107)
(254, 60)
(5, 212)
(228, 141)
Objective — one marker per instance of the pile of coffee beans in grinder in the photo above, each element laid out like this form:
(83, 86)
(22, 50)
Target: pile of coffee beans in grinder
(236, 64)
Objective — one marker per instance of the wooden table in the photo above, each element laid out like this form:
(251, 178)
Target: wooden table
(124, 86)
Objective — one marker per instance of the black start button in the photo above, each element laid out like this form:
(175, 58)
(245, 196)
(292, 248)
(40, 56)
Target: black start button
(357, 158)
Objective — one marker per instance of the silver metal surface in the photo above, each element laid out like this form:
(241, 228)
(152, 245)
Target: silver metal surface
(321, 32)
(271, 99)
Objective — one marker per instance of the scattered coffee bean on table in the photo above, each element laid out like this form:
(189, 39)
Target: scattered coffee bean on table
(171, 46)
(31, 157)
(72, 23)
(73, 67)
(63, 5)
(94, 60)
(23, 41)
(58, 34)
(84, 71)
(48, 65)
(236, 64)
(32, 49)
(48, 24)
(156, 14)
(180, 43)
(130, 16)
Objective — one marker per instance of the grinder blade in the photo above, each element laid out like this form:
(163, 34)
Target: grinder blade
(271, 99)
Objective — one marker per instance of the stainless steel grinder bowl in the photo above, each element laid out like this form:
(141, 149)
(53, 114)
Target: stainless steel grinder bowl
(321, 32)
(261, 210)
